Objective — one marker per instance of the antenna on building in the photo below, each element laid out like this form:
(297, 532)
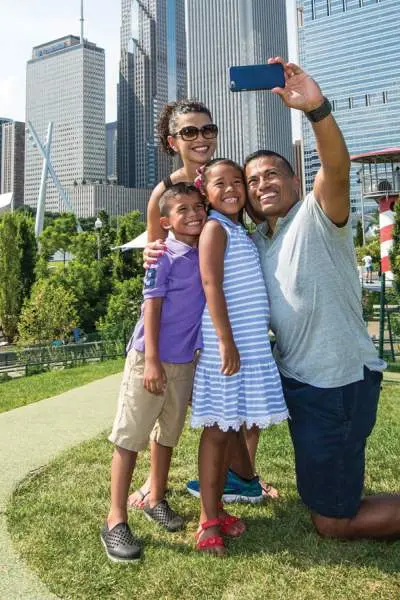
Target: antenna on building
(81, 20)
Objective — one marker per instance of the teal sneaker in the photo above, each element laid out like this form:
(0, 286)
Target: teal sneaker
(236, 489)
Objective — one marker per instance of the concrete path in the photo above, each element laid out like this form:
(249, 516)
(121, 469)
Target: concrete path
(30, 437)
(391, 376)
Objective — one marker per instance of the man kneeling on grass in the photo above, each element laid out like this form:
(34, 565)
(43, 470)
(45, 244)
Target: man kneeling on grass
(158, 377)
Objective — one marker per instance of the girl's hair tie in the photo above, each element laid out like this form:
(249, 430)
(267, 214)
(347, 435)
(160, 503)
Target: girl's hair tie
(199, 180)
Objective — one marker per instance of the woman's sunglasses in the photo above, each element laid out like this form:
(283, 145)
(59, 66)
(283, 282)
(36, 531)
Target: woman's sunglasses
(190, 133)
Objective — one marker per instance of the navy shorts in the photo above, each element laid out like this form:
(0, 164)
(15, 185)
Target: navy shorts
(329, 429)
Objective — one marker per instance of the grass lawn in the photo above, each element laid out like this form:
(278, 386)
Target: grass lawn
(25, 390)
(55, 518)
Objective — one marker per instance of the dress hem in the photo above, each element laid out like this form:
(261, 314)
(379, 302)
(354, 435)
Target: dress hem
(210, 421)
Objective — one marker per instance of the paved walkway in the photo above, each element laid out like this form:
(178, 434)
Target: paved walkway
(30, 437)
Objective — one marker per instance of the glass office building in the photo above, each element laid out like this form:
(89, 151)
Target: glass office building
(352, 48)
(224, 33)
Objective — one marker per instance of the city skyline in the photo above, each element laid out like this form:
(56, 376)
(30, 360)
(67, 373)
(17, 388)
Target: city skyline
(46, 20)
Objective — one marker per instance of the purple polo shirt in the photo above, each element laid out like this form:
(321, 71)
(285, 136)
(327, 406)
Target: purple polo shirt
(175, 278)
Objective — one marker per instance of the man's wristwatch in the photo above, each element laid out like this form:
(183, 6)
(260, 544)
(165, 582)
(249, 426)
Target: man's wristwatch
(319, 113)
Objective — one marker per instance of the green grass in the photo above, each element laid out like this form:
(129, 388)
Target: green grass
(25, 390)
(55, 518)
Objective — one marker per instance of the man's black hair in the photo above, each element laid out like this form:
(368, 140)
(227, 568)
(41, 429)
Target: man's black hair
(269, 153)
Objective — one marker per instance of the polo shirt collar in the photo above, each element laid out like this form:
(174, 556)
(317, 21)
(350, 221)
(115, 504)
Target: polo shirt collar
(178, 247)
(263, 228)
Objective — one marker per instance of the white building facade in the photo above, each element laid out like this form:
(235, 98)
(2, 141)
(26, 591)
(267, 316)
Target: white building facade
(89, 199)
(65, 84)
(225, 33)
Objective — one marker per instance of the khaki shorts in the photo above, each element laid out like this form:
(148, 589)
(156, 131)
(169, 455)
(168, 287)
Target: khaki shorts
(141, 415)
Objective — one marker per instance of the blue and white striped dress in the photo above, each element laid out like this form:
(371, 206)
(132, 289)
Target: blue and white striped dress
(253, 395)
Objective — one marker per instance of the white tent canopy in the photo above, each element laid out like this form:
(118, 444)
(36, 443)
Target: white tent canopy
(6, 201)
(139, 242)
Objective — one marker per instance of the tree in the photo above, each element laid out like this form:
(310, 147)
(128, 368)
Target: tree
(58, 235)
(27, 243)
(128, 264)
(123, 309)
(11, 287)
(90, 283)
(48, 314)
(359, 237)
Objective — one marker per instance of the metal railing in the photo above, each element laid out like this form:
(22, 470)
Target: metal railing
(41, 358)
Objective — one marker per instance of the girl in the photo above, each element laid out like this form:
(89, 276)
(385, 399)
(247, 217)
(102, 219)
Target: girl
(237, 382)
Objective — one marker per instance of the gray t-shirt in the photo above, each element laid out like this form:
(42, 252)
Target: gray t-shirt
(310, 271)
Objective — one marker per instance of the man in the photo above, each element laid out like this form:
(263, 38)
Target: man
(367, 260)
(330, 371)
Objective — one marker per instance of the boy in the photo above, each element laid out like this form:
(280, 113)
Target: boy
(159, 369)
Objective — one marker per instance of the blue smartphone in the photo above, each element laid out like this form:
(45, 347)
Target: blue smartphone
(256, 77)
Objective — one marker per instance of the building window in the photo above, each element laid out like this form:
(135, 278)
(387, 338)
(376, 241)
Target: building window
(384, 97)
(350, 102)
(333, 104)
(300, 17)
(328, 8)
(344, 2)
(367, 100)
(313, 14)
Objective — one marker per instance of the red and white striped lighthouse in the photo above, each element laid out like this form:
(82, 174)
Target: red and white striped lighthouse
(380, 181)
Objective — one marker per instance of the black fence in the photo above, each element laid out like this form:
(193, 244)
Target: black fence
(35, 359)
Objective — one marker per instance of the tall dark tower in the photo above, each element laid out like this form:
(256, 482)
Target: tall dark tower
(143, 89)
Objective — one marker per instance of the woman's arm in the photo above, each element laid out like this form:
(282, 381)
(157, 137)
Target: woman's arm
(211, 253)
(154, 229)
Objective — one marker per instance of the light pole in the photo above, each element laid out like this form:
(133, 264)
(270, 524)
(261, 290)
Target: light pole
(98, 224)
(360, 180)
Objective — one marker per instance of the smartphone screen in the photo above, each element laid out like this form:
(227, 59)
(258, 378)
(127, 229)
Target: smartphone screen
(256, 77)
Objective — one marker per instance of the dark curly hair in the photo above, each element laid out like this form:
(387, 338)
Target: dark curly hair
(167, 119)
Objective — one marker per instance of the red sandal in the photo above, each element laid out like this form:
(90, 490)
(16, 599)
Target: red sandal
(226, 522)
(214, 541)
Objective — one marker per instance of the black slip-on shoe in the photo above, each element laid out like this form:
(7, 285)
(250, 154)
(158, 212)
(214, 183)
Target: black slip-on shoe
(163, 515)
(119, 543)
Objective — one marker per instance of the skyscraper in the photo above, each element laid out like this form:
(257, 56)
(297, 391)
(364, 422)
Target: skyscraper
(65, 83)
(351, 47)
(2, 120)
(224, 33)
(111, 145)
(12, 161)
(176, 47)
(143, 85)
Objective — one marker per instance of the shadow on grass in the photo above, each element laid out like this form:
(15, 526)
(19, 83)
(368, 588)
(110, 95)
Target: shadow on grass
(289, 533)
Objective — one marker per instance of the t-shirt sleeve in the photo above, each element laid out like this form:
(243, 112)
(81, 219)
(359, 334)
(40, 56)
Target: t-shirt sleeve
(156, 278)
(324, 221)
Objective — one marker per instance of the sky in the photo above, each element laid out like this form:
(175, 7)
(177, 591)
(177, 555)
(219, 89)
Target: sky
(28, 23)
